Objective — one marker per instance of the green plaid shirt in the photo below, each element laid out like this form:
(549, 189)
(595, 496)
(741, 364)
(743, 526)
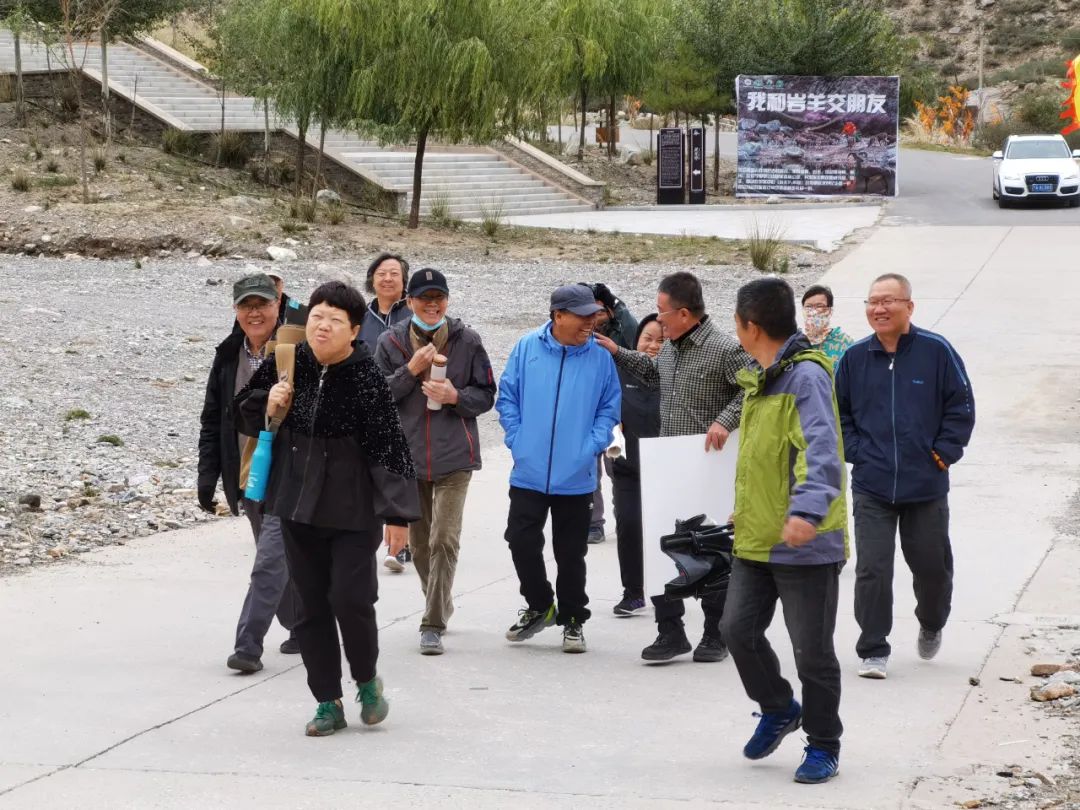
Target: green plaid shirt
(696, 378)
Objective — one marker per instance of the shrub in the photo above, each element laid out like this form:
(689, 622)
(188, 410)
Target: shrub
(491, 217)
(763, 244)
(20, 181)
(100, 161)
(1041, 111)
(76, 413)
(1036, 70)
(231, 148)
(1070, 40)
(440, 211)
(335, 213)
(56, 181)
(52, 167)
(112, 439)
(179, 142)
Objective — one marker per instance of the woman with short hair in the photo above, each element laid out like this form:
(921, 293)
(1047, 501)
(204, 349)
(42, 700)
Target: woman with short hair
(817, 304)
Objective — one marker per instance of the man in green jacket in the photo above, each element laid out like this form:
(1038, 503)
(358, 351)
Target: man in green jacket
(790, 529)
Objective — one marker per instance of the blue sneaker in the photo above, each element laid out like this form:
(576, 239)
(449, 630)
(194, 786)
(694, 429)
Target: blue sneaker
(817, 766)
(771, 729)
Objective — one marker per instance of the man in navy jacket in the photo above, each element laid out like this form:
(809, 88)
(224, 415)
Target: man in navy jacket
(907, 411)
(559, 400)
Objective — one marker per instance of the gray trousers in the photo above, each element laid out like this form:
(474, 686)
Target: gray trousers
(924, 541)
(270, 591)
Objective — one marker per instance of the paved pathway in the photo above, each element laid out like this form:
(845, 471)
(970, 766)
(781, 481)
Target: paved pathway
(114, 692)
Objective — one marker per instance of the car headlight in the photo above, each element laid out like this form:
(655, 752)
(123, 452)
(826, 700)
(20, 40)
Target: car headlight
(1071, 177)
(1012, 178)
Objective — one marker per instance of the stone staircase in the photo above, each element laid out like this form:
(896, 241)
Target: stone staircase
(471, 182)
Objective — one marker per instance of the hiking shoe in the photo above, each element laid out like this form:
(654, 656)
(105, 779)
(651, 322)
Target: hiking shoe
(394, 563)
(573, 638)
(874, 668)
(711, 649)
(244, 663)
(817, 766)
(771, 729)
(290, 646)
(530, 622)
(629, 607)
(404, 556)
(373, 706)
(596, 535)
(667, 646)
(329, 717)
(929, 643)
(431, 642)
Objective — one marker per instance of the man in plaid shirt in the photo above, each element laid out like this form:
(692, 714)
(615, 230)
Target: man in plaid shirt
(695, 372)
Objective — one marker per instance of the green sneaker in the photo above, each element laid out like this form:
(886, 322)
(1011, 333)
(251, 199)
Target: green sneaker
(530, 622)
(373, 706)
(329, 717)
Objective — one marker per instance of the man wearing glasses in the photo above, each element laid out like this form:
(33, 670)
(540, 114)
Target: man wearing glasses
(907, 412)
(256, 302)
(695, 372)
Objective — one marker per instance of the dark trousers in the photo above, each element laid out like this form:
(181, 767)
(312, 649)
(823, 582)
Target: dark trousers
(569, 540)
(924, 541)
(335, 576)
(269, 590)
(626, 492)
(670, 612)
(808, 594)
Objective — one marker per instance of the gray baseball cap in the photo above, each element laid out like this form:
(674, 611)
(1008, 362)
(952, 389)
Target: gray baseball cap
(259, 284)
(575, 298)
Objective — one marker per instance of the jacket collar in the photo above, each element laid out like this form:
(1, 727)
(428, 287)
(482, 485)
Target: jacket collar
(360, 351)
(905, 341)
(698, 333)
(232, 343)
(797, 349)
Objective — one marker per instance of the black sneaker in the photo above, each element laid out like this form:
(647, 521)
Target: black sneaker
(530, 622)
(630, 606)
(711, 649)
(573, 638)
(244, 663)
(667, 646)
(596, 535)
(404, 556)
(290, 646)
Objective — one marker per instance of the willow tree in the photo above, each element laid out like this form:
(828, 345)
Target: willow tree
(608, 47)
(22, 17)
(456, 69)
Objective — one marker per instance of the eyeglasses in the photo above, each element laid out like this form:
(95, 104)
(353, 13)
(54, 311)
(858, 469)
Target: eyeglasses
(817, 307)
(668, 312)
(253, 306)
(884, 302)
(433, 298)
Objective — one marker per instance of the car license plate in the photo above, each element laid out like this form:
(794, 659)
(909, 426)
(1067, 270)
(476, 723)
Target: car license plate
(1042, 188)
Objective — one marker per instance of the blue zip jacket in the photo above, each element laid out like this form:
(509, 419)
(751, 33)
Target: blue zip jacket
(558, 406)
(896, 411)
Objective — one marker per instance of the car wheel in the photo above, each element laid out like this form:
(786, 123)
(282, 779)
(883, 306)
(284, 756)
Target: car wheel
(1074, 202)
(1002, 202)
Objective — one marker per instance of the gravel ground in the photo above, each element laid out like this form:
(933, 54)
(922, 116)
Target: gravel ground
(97, 349)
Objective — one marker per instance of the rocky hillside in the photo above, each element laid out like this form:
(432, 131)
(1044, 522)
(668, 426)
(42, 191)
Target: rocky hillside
(1024, 40)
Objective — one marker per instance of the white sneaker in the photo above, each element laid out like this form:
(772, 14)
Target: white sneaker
(874, 668)
(393, 563)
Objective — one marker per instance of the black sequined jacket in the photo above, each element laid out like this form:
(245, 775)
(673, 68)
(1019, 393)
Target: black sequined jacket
(340, 458)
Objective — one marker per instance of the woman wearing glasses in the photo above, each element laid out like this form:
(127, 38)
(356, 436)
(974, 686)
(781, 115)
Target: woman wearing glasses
(817, 304)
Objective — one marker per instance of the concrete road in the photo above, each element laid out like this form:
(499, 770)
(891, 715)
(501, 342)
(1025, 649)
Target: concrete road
(114, 691)
(937, 188)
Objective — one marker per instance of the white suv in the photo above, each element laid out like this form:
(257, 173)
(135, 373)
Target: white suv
(1036, 167)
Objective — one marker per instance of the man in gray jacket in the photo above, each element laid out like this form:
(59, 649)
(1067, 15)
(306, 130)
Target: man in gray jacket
(444, 442)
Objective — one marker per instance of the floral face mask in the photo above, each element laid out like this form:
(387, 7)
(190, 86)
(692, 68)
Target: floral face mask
(816, 326)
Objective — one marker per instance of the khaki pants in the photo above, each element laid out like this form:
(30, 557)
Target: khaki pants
(435, 540)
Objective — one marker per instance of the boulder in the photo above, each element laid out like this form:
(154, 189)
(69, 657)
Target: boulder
(281, 254)
(328, 197)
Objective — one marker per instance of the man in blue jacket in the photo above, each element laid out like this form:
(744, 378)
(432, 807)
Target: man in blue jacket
(559, 400)
(907, 412)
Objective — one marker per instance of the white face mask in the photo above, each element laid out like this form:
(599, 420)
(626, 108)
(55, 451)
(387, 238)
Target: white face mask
(816, 324)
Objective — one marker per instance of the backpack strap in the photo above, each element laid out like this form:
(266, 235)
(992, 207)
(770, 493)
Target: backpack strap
(285, 360)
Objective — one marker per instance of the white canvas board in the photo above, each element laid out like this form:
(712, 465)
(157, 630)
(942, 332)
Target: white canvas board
(680, 480)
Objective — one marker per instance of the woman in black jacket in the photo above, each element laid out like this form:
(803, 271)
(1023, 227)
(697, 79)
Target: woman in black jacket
(640, 420)
(341, 464)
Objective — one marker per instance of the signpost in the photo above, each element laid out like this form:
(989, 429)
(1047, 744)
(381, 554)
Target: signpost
(670, 163)
(697, 165)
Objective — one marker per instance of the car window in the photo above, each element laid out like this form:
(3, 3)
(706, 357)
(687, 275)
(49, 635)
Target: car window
(1031, 150)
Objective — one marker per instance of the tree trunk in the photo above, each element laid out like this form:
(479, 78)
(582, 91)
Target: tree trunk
(20, 99)
(84, 175)
(106, 116)
(581, 139)
(418, 173)
(652, 138)
(318, 160)
(716, 154)
(221, 133)
(560, 129)
(611, 128)
(301, 143)
(266, 141)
